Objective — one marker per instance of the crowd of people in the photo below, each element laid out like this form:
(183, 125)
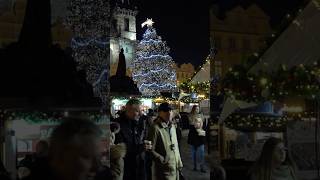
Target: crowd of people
(142, 147)
(153, 147)
(151, 142)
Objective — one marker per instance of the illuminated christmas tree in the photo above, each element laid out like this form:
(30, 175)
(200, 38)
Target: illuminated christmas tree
(89, 22)
(153, 68)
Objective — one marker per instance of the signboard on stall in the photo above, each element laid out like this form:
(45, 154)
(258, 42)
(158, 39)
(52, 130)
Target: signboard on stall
(302, 147)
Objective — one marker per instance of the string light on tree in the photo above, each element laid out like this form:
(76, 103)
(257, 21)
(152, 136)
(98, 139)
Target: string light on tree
(88, 20)
(153, 67)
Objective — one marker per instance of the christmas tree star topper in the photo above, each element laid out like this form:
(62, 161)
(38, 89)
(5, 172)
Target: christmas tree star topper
(148, 22)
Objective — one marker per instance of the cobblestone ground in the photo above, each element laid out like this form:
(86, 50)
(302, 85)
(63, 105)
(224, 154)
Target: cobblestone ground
(187, 161)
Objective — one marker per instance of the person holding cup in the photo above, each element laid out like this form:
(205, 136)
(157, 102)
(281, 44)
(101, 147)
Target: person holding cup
(162, 144)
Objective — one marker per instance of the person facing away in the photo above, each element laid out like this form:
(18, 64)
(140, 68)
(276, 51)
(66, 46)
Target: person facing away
(274, 162)
(217, 172)
(131, 135)
(197, 138)
(162, 144)
(74, 152)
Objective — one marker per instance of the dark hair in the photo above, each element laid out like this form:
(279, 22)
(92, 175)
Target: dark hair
(133, 102)
(150, 111)
(193, 110)
(263, 166)
(68, 129)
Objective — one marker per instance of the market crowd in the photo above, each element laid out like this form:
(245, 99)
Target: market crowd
(142, 147)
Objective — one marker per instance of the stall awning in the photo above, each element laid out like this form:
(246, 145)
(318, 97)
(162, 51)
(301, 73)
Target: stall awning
(203, 75)
(298, 44)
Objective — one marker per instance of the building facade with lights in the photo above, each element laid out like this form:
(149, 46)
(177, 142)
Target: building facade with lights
(237, 35)
(184, 72)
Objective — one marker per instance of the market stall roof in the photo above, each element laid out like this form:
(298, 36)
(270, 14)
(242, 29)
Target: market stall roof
(298, 44)
(203, 75)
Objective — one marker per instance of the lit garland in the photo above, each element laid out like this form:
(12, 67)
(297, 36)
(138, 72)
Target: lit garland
(265, 122)
(299, 81)
(153, 67)
(89, 21)
(37, 117)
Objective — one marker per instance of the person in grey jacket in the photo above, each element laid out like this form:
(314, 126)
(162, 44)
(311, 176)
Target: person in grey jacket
(163, 145)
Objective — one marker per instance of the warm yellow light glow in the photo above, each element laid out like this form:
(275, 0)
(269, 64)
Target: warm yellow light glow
(159, 99)
(263, 81)
(292, 109)
(201, 96)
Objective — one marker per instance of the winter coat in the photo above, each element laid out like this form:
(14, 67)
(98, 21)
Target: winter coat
(284, 172)
(131, 133)
(166, 160)
(194, 139)
(117, 153)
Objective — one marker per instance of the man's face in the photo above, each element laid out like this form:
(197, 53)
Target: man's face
(80, 158)
(133, 111)
(166, 115)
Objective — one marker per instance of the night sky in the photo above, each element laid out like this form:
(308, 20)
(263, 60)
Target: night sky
(185, 24)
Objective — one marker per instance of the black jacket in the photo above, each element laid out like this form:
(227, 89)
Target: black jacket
(194, 139)
(131, 133)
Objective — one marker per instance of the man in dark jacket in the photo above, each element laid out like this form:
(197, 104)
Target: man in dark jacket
(131, 133)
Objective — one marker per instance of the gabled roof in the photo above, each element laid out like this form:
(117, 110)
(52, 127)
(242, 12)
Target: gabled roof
(203, 75)
(298, 44)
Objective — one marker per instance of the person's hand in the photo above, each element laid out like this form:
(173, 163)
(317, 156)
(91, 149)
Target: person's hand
(147, 145)
(23, 172)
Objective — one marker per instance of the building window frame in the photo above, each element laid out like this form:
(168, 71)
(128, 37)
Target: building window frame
(126, 24)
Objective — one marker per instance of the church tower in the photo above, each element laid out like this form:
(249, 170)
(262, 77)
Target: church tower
(123, 34)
